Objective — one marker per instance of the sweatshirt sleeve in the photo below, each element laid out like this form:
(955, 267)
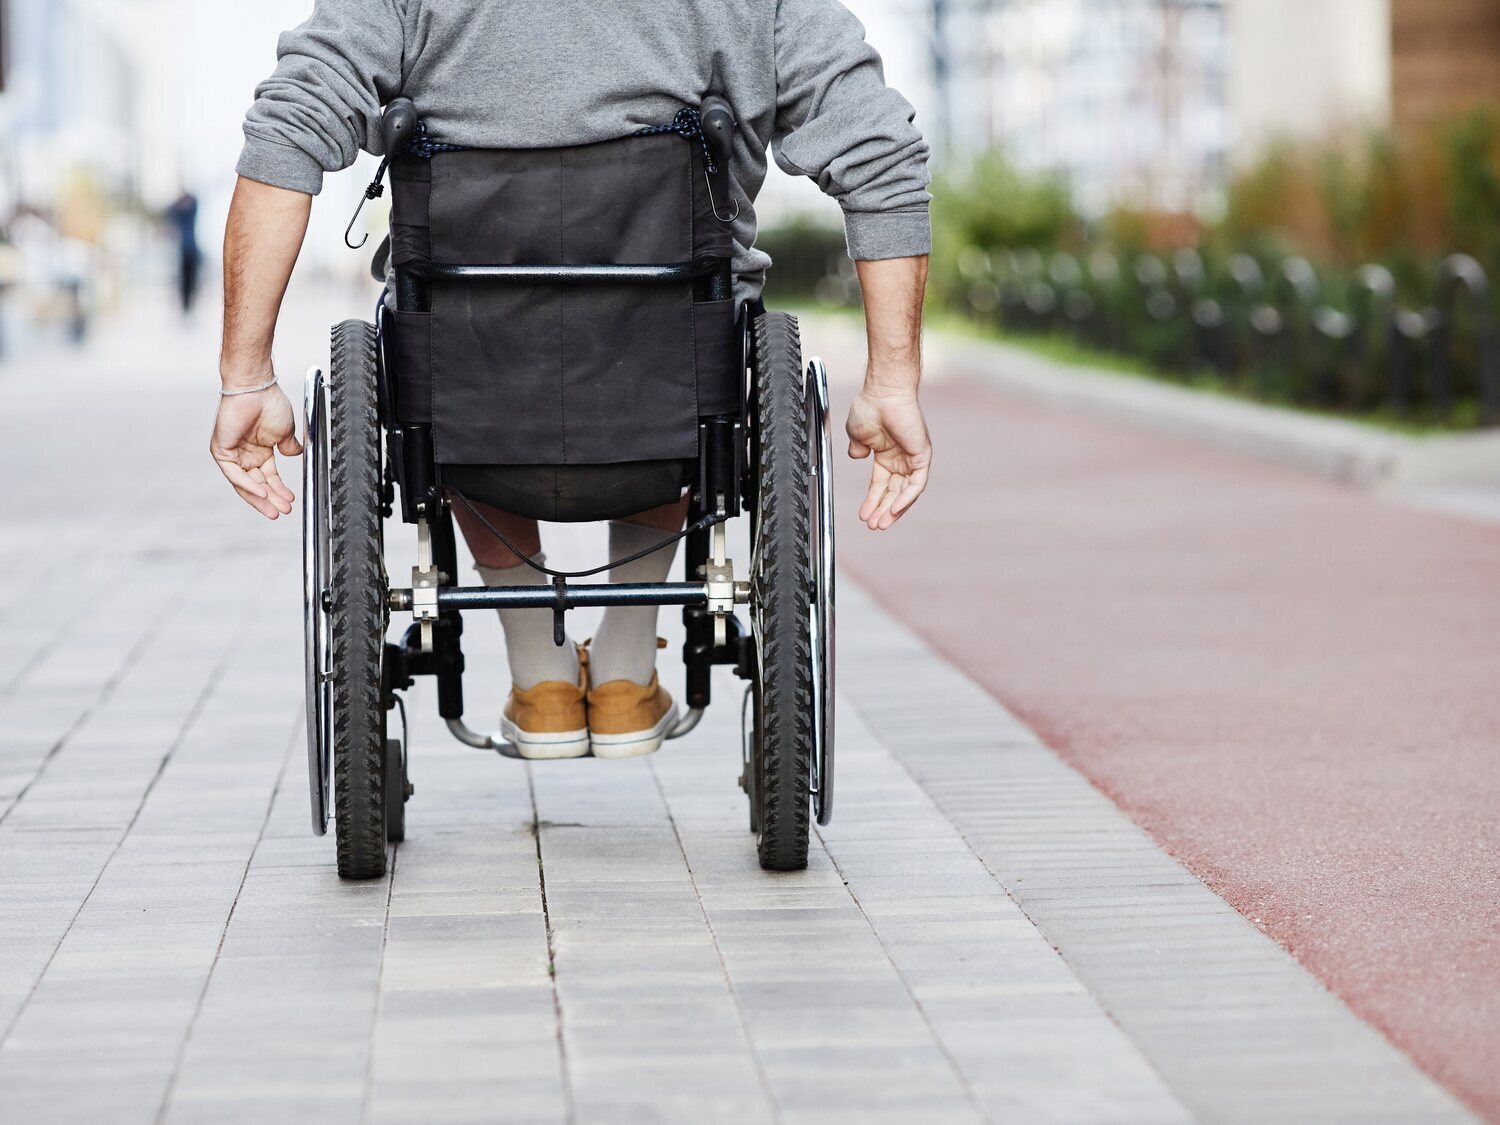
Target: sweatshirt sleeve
(322, 105)
(840, 124)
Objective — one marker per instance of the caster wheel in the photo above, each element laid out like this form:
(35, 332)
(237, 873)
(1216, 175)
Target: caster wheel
(750, 723)
(397, 790)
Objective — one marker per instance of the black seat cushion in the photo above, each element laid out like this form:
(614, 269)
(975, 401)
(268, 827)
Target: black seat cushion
(573, 493)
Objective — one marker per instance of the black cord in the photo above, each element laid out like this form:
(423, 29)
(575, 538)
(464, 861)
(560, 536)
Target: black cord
(425, 148)
(701, 525)
(688, 125)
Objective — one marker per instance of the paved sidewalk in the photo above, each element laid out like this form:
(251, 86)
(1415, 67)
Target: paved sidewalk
(982, 936)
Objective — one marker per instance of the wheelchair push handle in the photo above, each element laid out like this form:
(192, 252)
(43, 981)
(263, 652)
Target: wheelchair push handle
(398, 125)
(718, 127)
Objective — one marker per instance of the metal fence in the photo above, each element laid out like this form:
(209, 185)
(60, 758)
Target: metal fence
(1275, 330)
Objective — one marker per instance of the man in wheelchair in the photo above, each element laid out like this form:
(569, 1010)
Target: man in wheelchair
(572, 330)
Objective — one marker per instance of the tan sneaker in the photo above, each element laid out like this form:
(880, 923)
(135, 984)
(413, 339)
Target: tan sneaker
(550, 720)
(627, 720)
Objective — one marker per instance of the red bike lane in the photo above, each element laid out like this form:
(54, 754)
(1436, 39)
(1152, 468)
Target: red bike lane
(1293, 686)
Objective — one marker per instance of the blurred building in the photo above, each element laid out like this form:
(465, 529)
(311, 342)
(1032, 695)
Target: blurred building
(67, 107)
(1303, 70)
(85, 155)
(1300, 69)
(1126, 98)
(1153, 101)
(1445, 57)
(84, 107)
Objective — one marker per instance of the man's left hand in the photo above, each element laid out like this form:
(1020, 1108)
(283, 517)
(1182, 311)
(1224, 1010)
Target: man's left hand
(890, 426)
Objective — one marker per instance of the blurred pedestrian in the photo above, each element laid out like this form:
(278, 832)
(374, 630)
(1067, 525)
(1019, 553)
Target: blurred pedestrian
(182, 216)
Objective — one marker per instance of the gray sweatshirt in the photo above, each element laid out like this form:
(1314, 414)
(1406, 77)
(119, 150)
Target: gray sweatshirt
(551, 73)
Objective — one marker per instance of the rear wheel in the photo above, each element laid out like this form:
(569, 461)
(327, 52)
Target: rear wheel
(356, 601)
(780, 601)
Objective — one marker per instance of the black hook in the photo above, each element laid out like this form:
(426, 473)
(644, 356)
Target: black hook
(374, 191)
(349, 230)
(713, 203)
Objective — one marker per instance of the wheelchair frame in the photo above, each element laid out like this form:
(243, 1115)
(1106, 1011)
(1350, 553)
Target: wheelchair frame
(731, 479)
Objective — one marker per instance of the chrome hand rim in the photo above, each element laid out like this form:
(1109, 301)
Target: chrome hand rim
(316, 563)
(821, 604)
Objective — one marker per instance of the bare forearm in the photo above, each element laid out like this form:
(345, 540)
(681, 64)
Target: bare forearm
(893, 293)
(885, 420)
(261, 243)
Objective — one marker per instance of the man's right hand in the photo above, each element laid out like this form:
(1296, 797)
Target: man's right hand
(248, 432)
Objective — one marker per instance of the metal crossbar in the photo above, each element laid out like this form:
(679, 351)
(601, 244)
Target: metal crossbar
(568, 275)
(567, 597)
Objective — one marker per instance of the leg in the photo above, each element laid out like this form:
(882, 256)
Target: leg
(489, 551)
(529, 647)
(629, 713)
(669, 517)
(188, 280)
(625, 646)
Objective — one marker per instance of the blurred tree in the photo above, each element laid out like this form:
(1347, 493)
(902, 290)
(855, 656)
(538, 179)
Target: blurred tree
(987, 204)
(1472, 148)
(1385, 226)
(803, 252)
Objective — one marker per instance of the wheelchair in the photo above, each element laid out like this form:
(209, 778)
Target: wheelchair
(667, 386)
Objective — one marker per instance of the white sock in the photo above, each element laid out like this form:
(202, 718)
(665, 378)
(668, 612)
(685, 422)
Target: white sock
(533, 658)
(624, 648)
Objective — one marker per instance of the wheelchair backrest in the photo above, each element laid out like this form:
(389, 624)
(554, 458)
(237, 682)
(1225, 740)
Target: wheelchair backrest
(512, 339)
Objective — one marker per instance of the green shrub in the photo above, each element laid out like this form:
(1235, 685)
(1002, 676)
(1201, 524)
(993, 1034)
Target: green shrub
(987, 204)
(803, 253)
(1011, 252)
(1471, 147)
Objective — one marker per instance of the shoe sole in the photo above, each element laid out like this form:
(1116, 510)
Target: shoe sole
(546, 747)
(636, 744)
